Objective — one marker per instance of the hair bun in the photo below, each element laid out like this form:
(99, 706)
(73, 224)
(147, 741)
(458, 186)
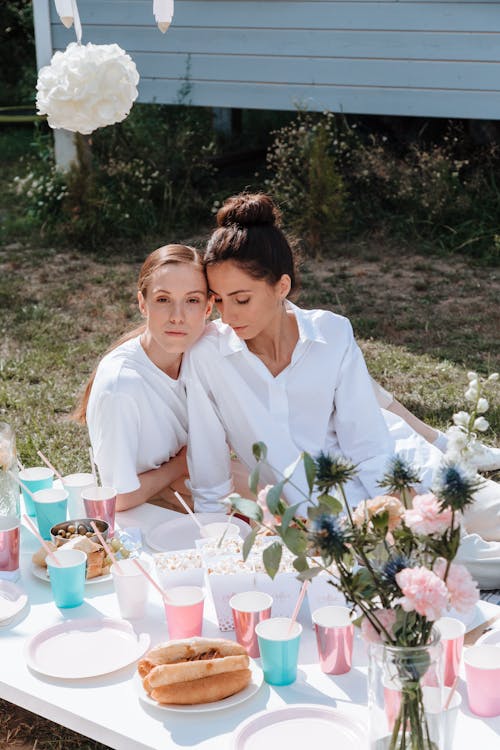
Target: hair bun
(248, 209)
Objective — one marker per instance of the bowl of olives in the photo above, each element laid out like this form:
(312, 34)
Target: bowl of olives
(63, 532)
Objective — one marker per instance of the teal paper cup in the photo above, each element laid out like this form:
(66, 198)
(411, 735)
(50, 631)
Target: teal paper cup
(279, 649)
(68, 579)
(36, 478)
(50, 508)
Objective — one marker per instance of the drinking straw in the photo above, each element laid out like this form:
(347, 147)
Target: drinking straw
(93, 466)
(226, 528)
(187, 508)
(107, 549)
(451, 693)
(21, 484)
(47, 463)
(298, 606)
(20, 465)
(151, 580)
(43, 542)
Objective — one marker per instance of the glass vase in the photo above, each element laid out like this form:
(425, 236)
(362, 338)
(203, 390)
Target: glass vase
(9, 489)
(402, 684)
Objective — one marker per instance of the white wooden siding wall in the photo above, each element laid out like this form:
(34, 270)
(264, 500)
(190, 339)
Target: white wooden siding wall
(412, 57)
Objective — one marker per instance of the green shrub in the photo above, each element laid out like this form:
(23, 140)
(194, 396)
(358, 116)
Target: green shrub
(306, 180)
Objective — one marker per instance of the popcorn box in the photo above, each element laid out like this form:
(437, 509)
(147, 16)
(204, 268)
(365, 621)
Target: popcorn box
(320, 593)
(284, 589)
(223, 586)
(179, 568)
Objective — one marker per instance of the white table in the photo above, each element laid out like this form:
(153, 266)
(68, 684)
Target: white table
(107, 708)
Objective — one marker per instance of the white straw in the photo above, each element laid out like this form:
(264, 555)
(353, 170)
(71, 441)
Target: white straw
(20, 466)
(187, 508)
(52, 468)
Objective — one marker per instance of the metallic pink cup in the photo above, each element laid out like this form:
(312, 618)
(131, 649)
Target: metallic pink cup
(452, 633)
(10, 535)
(334, 636)
(100, 502)
(249, 608)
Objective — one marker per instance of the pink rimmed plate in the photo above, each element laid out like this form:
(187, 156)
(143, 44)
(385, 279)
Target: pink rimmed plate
(294, 726)
(12, 600)
(229, 702)
(76, 649)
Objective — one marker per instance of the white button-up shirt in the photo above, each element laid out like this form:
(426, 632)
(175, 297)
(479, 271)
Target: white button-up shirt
(322, 401)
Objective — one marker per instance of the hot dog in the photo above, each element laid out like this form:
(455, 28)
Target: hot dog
(195, 670)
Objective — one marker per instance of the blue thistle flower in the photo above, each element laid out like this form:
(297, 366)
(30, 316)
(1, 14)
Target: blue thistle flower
(392, 567)
(327, 537)
(455, 486)
(400, 475)
(332, 471)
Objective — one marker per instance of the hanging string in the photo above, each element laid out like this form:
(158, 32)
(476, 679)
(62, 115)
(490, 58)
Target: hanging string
(163, 11)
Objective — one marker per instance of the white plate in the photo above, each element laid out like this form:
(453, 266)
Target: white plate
(76, 649)
(232, 700)
(181, 533)
(491, 637)
(293, 728)
(12, 601)
(42, 574)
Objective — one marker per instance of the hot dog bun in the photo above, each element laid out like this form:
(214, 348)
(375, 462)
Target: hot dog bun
(205, 690)
(195, 670)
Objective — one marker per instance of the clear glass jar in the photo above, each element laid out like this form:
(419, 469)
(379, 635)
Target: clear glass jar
(402, 681)
(9, 489)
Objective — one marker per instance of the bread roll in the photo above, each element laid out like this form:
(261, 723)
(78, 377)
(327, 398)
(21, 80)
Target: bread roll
(204, 690)
(185, 671)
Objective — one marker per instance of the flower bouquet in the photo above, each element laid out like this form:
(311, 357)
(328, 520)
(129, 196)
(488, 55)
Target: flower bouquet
(392, 559)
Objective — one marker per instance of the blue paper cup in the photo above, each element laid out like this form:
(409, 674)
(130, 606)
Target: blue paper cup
(36, 478)
(279, 649)
(68, 579)
(50, 508)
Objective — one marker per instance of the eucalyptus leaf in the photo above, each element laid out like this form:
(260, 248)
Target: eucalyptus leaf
(253, 479)
(301, 563)
(309, 574)
(248, 543)
(334, 505)
(248, 508)
(310, 469)
(288, 516)
(295, 540)
(288, 472)
(271, 557)
(259, 451)
(273, 497)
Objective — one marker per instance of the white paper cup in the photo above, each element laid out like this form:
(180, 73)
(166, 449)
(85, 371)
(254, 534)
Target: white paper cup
(74, 484)
(131, 588)
(435, 700)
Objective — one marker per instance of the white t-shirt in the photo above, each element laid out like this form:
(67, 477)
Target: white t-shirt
(323, 401)
(136, 416)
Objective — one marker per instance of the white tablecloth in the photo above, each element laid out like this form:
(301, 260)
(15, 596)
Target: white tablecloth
(107, 708)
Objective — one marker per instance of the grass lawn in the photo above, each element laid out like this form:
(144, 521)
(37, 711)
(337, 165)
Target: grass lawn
(423, 321)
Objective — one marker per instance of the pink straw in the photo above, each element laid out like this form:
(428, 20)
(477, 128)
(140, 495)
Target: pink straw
(47, 463)
(21, 484)
(187, 508)
(151, 580)
(451, 693)
(42, 541)
(106, 548)
(298, 606)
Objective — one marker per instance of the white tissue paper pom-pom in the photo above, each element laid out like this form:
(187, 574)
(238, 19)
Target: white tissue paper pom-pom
(87, 87)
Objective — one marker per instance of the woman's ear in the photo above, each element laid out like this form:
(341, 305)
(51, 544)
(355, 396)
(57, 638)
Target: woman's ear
(210, 305)
(142, 304)
(283, 286)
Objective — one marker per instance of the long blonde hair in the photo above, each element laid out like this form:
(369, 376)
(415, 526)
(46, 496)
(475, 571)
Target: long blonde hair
(163, 256)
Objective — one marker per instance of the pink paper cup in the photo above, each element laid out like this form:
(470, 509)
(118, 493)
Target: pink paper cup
(482, 670)
(452, 633)
(249, 608)
(100, 502)
(10, 536)
(334, 636)
(184, 611)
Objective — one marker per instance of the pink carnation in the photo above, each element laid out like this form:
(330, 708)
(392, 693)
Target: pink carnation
(386, 617)
(426, 516)
(462, 588)
(262, 501)
(423, 591)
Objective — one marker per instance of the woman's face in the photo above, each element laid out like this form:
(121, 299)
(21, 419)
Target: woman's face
(176, 307)
(248, 305)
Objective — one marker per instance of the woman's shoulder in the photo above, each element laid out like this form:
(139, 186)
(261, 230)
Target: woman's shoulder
(324, 323)
(120, 367)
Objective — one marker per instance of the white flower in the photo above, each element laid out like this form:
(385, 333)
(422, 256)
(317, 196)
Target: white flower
(87, 87)
(481, 424)
(494, 376)
(482, 405)
(461, 418)
(471, 375)
(471, 394)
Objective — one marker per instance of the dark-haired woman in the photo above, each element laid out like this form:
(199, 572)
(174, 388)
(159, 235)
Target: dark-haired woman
(295, 379)
(134, 403)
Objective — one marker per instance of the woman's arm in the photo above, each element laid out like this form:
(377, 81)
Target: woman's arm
(154, 481)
